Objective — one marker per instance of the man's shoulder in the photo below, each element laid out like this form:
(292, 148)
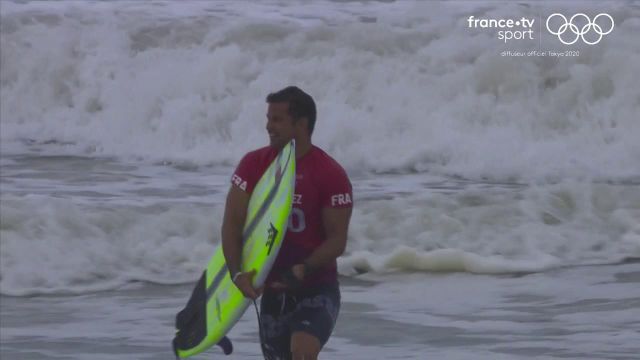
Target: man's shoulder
(255, 160)
(260, 154)
(329, 165)
(328, 170)
(260, 151)
(251, 168)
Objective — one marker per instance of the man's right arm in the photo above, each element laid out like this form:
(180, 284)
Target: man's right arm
(235, 213)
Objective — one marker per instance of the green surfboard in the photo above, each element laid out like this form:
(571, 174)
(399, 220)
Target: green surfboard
(216, 304)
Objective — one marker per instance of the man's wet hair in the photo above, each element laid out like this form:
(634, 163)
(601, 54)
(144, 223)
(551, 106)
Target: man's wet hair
(301, 104)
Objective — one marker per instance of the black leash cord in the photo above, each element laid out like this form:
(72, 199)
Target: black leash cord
(264, 353)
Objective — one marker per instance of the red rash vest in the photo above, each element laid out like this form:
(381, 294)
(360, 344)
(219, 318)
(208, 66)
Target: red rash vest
(320, 183)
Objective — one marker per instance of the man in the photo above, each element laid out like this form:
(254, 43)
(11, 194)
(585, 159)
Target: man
(301, 297)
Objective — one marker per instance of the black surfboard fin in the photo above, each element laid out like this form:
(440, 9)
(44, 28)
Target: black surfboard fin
(226, 345)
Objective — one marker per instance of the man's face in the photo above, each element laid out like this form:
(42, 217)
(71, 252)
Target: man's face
(280, 125)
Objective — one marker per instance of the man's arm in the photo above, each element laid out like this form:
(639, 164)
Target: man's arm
(336, 226)
(235, 213)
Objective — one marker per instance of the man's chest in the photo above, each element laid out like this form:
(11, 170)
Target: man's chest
(306, 193)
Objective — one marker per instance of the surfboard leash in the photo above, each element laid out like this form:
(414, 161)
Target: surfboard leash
(262, 348)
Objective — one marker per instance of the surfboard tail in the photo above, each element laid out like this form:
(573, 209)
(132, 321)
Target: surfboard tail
(191, 325)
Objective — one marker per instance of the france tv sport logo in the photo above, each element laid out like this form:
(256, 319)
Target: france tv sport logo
(510, 29)
(580, 26)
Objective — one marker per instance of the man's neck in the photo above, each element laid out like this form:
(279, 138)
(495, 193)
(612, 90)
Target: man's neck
(302, 148)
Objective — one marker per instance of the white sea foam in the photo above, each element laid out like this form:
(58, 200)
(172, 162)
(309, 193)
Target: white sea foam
(86, 247)
(402, 86)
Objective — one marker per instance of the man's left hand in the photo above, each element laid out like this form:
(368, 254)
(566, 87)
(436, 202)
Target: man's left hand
(298, 270)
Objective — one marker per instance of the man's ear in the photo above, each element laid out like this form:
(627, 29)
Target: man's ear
(303, 122)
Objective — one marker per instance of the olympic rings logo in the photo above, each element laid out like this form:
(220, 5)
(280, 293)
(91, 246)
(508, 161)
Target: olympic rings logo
(580, 32)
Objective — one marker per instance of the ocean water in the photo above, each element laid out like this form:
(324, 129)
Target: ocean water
(497, 197)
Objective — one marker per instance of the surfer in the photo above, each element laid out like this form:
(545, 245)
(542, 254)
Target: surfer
(301, 296)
